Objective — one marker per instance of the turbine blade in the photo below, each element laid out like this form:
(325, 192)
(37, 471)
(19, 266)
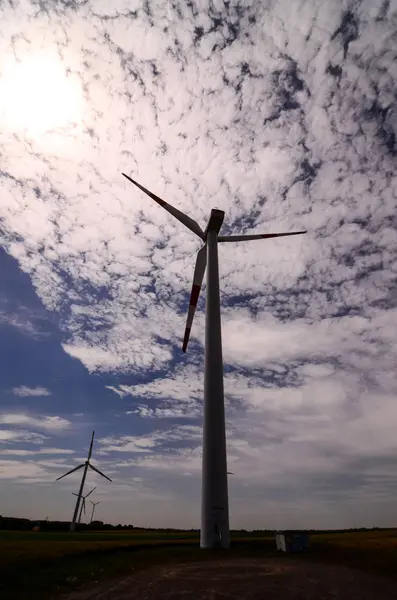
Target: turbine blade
(72, 471)
(90, 492)
(184, 219)
(199, 270)
(91, 444)
(259, 236)
(98, 471)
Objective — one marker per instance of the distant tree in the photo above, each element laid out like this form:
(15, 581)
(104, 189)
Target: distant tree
(95, 525)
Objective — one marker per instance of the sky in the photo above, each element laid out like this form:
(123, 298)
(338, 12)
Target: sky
(284, 116)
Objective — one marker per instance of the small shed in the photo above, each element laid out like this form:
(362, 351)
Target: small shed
(292, 541)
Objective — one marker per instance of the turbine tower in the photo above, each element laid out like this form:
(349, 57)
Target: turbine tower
(82, 508)
(214, 499)
(94, 505)
(84, 465)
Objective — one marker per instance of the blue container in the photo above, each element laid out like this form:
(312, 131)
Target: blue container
(292, 541)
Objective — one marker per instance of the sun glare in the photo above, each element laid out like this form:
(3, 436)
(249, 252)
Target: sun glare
(37, 96)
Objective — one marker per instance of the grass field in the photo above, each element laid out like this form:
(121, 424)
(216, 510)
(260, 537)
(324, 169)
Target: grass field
(45, 565)
(372, 551)
(26, 547)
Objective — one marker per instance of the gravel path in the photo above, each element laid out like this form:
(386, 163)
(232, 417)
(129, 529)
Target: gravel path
(245, 579)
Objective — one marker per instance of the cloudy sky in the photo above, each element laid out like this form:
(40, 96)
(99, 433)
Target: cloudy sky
(284, 116)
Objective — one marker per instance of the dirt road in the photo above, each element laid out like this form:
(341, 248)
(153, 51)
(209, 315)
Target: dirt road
(245, 579)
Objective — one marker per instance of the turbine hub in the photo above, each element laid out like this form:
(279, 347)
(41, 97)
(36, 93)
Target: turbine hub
(215, 222)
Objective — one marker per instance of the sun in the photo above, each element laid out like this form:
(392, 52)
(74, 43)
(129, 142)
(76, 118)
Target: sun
(37, 95)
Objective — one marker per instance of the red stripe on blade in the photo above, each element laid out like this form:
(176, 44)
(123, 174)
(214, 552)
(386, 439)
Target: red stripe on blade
(195, 294)
(186, 338)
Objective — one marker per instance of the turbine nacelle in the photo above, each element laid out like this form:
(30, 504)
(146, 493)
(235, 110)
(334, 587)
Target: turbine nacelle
(215, 222)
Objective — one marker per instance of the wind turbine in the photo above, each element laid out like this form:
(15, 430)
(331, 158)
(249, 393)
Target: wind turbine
(84, 465)
(83, 502)
(94, 504)
(214, 500)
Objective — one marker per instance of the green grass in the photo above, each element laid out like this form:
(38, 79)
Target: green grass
(53, 563)
(24, 547)
(373, 552)
(94, 536)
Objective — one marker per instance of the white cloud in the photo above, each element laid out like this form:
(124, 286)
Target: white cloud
(257, 341)
(185, 462)
(12, 469)
(112, 388)
(12, 435)
(19, 452)
(93, 358)
(29, 471)
(166, 413)
(24, 390)
(25, 324)
(50, 423)
(183, 385)
(126, 444)
(150, 443)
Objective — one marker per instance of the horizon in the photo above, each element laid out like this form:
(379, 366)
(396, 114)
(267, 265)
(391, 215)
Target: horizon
(103, 525)
(283, 117)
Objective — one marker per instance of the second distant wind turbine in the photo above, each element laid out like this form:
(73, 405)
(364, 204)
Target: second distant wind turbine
(94, 505)
(214, 499)
(82, 508)
(84, 465)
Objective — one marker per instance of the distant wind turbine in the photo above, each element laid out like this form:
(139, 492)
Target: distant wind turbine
(82, 508)
(214, 499)
(84, 465)
(94, 505)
